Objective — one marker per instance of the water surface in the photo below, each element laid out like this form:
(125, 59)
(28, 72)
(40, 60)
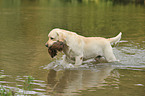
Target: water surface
(24, 25)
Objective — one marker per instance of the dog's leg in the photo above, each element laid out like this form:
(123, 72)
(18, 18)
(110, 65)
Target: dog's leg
(64, 61)
(78, 60)
(108, 54)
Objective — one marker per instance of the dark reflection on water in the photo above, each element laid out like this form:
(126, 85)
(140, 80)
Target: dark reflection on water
(24, 25)
(68, 81)
(97, 80)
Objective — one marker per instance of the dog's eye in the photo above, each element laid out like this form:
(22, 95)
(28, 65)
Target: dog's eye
(51, 38)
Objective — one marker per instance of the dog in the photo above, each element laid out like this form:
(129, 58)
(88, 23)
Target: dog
(79, 48)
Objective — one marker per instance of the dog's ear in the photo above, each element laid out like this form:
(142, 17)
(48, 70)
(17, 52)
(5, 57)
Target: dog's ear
(61, 36)
(57, 34)
(74, 42)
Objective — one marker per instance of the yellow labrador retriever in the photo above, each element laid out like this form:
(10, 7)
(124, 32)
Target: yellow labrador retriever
(79, 48)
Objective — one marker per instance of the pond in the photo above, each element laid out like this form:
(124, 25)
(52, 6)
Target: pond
(25, 24)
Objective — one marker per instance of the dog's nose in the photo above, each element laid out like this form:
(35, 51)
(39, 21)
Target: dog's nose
(46, 45)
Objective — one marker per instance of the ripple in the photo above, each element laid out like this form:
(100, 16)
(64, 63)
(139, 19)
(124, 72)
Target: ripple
(138, 84)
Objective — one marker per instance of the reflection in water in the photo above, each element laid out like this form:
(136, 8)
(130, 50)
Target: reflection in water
(74, 80)
(24, 25)
(125, 2)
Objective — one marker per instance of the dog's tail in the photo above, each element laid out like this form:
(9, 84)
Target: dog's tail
(115, 39)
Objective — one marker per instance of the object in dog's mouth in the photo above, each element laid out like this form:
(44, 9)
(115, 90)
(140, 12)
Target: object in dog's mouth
(57, 46)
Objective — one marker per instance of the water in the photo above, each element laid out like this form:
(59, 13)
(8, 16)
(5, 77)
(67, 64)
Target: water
(24, 25)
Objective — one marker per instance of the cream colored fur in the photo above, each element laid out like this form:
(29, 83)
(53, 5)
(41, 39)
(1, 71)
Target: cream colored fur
(80, 48)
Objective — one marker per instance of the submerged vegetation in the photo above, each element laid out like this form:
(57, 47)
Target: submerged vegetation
(4, 91)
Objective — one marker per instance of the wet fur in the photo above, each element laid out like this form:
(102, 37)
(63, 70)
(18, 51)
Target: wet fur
(80, 48)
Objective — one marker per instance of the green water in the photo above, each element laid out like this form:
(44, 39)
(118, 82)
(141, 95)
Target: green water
(25, 24)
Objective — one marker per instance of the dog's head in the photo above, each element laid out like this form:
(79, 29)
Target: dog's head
(54, 36)
(55, 42)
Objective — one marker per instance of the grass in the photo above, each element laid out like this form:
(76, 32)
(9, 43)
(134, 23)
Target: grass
(6, 91)
(10, 92)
